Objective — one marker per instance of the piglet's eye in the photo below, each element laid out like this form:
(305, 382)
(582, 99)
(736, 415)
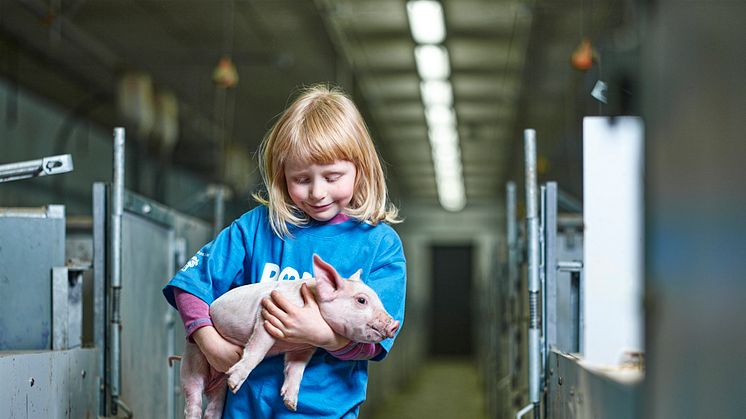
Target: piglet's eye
(361, 300)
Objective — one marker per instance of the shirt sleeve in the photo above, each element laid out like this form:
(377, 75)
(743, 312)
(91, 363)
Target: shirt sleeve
(388, 278)
(215, 268)
(356, 351)
(194, 312)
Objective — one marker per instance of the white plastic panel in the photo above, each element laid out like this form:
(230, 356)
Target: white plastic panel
(613, 244)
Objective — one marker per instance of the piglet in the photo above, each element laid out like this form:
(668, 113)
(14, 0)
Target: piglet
(351, 308)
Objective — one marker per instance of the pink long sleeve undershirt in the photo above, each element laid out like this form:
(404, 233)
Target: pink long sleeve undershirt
(195, 314)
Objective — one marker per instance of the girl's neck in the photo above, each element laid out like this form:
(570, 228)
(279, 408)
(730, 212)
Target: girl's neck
(339, 218)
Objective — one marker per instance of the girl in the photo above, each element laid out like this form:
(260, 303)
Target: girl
(325, 194)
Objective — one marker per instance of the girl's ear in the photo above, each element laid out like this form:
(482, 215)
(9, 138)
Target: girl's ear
(328, 281)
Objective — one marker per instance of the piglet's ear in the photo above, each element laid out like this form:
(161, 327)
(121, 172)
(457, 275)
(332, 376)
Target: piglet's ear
(328, 281)
(356, 275)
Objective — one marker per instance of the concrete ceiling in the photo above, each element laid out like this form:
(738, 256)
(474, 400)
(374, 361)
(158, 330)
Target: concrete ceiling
(75, 51)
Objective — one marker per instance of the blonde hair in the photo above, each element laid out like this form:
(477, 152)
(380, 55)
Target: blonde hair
(320, 126)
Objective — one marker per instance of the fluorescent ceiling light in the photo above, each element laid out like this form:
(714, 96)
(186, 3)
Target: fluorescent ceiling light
(447, 166)
(445, 151)
(432, 62)
(436, 92)
(426, 21)
(452, 204)
(452, 197)
(440, 116)
(448, 171)
(443, 134)
(450, 184)
(451, 188)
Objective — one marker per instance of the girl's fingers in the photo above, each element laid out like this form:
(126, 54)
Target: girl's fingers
(274, 321)
(283, 303)
(307, 295)
(273, 331)
(270, 306)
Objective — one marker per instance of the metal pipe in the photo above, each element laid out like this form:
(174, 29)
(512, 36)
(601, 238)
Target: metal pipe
(170, 325)
(543, 284)
(177, 248)
(523, 411)
(117, 206)
(570, 266)
(126, 409)
(512, 230)
(46, 166)
(532, 222)
(219, 210)
(100, 315)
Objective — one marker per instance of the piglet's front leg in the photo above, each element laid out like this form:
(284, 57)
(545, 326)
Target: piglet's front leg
(260, 342)
(295, 364)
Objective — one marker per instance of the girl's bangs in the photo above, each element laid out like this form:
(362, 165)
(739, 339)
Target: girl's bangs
(320, 145)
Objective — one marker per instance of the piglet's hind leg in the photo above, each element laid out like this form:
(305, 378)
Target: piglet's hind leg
(195, 372)
(215, 398)
(295, 364)
(260, 342)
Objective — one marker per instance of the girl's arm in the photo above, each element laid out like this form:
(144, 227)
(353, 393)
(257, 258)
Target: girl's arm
(195, 314)
(220, 353)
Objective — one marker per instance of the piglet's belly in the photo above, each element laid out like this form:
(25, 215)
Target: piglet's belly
(239, 335)
(282, 347)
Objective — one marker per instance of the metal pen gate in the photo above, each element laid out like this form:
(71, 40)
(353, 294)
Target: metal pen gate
(149, 244)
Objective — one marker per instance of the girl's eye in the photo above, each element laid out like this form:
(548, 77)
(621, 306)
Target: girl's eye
(302, 180)
(361, 300)
(332, 179)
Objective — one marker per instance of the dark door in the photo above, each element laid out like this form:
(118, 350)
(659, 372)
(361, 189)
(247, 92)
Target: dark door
(451, 325)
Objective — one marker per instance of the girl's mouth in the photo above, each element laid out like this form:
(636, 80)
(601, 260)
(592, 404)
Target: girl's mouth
(320, 207)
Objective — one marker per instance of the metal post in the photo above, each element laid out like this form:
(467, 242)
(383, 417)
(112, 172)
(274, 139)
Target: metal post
(170, 325)
(550, 269)
(99, 289)
(117, 204)
(543, 285)
(219, 210)
(512, 230)
(532, 222)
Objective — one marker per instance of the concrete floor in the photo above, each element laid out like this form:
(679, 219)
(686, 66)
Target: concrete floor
(444, 389)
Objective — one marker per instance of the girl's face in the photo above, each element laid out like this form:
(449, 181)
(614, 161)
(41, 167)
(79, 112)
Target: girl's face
(320, 190)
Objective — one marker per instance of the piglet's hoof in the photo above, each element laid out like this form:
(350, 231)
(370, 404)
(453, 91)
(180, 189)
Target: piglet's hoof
(234, 382)
(291, 404)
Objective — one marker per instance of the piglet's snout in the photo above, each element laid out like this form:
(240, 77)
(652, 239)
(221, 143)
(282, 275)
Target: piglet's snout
(391, 328)
(385, 326)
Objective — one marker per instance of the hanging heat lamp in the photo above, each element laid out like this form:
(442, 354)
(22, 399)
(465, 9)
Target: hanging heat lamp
(225, 75)
(584, 55)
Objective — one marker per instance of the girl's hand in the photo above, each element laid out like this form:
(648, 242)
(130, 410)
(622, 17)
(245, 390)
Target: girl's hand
(290, 323)
(220, 353)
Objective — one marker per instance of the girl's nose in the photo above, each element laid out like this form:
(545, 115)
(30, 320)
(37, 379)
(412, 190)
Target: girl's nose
(317, 190)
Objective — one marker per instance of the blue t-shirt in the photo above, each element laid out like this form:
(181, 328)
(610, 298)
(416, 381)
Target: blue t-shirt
(248, 252)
